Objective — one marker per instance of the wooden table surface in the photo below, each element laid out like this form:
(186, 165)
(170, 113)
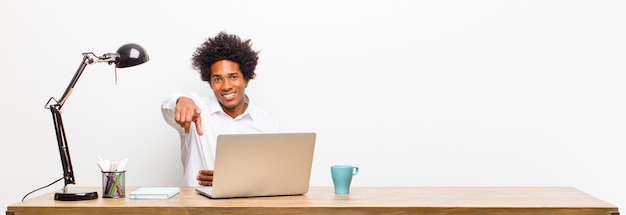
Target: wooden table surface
(362, 200)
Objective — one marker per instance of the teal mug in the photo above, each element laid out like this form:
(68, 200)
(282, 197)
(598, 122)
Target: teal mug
(342, 177)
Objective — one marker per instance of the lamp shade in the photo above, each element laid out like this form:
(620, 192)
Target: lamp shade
(131, 54)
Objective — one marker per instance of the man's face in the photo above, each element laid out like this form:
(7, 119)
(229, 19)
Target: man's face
(229, 86)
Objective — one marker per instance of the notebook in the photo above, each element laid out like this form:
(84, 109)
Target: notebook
(154, 193)
(268, 164)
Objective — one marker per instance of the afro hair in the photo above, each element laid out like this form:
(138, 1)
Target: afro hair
(225, 46)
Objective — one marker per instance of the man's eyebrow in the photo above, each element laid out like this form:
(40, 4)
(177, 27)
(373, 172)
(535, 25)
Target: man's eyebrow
(227, 74)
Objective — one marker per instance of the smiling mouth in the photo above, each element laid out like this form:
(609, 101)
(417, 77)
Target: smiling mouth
(229, 95)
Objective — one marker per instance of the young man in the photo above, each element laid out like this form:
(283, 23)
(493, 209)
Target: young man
(227, 63)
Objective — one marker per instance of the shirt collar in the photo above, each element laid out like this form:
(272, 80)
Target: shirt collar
(215, 107)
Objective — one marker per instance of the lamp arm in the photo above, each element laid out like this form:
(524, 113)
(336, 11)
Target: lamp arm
(55, 109)
(64, 151)
(70, 87)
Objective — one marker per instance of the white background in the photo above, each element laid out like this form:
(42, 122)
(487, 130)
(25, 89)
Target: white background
(416, 93)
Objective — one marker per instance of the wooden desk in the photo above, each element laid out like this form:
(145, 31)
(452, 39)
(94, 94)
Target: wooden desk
(362, 200)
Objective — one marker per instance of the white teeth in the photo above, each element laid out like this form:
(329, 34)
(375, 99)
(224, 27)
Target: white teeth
(229, 96)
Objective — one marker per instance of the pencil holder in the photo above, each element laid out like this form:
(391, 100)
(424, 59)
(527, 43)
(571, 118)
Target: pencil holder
(114, 184)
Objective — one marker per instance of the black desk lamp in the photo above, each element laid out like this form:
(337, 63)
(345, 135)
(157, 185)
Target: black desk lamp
(127, 55)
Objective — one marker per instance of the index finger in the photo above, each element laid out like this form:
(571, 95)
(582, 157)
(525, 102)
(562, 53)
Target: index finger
(199, 125)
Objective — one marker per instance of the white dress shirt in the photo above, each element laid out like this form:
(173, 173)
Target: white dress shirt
(198, 152)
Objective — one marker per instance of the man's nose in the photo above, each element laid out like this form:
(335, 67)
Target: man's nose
(227, 84)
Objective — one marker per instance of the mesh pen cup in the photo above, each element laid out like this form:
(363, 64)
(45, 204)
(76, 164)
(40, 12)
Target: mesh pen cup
(114, 184)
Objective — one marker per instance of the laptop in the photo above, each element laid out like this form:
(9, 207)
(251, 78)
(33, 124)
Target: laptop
(268, 164)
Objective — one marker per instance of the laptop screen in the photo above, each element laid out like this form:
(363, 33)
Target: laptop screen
(267, 164)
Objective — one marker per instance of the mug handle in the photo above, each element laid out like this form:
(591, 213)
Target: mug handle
(356, 171)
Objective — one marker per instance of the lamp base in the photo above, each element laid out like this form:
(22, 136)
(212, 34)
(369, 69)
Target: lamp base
(75, 195)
